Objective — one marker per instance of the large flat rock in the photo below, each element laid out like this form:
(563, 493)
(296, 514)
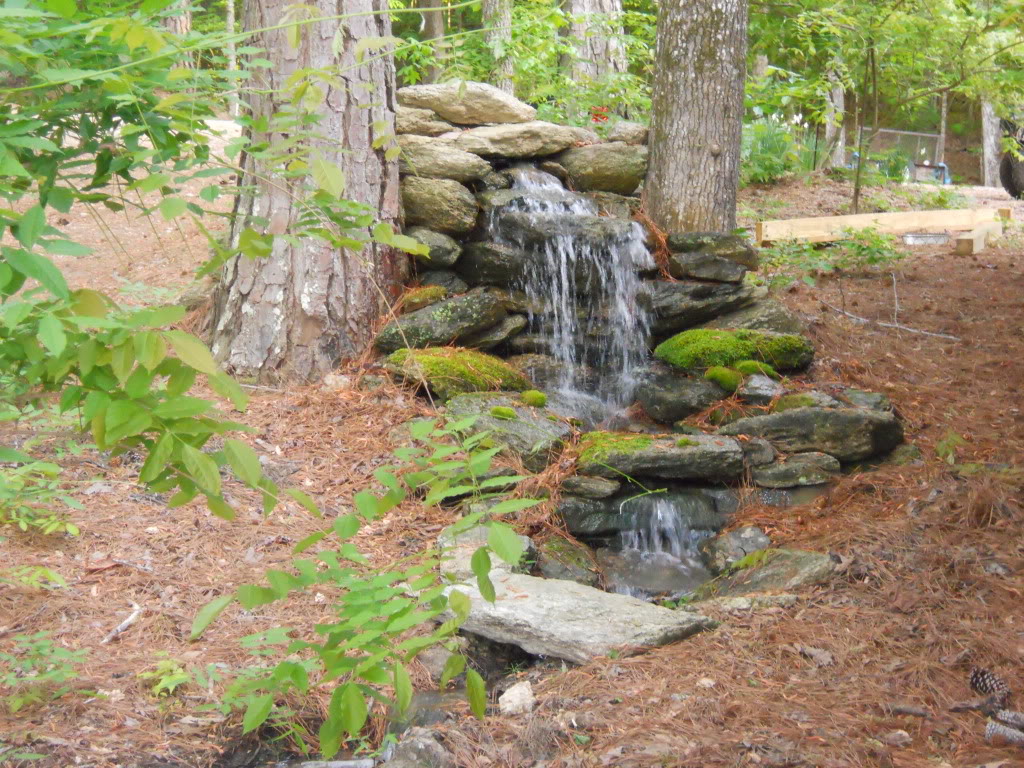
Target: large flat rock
(466, 102)
(532, 139)
(570, 621)
(674, 457)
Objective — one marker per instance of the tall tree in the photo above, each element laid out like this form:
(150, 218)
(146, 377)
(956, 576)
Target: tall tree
(497, 16)
(179, 22)
(433, 29)
(305, 306)
(598, 53)
(990, 141)
(696, 114)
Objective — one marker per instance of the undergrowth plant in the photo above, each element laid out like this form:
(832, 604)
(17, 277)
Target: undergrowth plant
(860, 250)
(37, 671)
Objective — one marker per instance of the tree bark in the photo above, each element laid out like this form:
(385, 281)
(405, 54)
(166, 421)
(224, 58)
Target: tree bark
(497, 16)
(433, 29)
(232, 51)
(180, 22)
(296, 313)
(940, 145)
(990, 145)
(696, 115)
(835, 130)
(598, 53)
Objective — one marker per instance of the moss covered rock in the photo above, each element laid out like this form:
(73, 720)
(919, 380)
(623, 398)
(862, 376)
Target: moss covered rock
(703, 457)
(809, 399)
(800, 469)
(443, 205)
(534, 398)
(726, 378)
(668, 394)
(559, 558)
(702, 348)
(443, 322)
(443, 251)
(424, 296)
(754, 367)
(449, 371)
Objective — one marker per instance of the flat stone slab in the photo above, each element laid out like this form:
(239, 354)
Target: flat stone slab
(674, 457)
(783, 570)
(570, 621)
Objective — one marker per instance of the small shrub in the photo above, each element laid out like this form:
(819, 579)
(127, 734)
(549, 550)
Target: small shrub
(866, 248)
(534, 398)
(726, 378)
(769, 152)
(37, 671)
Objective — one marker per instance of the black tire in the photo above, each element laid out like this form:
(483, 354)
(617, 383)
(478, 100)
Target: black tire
(1011, 175)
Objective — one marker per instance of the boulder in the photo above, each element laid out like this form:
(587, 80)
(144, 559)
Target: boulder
(570, 621)
(679, 305)
(439, 159)
(442, 323)
(629, 133)
(611, 204)
(704, 266)
(759, 389)
(863, 399)
(446, 279)
(590, 487)
(443, 205)
(443, 250)
(611, 516)
(489, 263)
(849, 434)
(782, 570)
(722, 551)
(807, 399)
(533, 139)
(633, 572)
(595, 232)
(729, 247)
(560, 558)
(496, 180)
(702, 348)
(667, 394)
(811, 468)
(419, 748)
(467, 103)
(497, 334)
(613, 167)
(423, 296)
(534, 434)
(544, 370)
(690, 457)
(757, 452)
(450, 371)
(762, 314)
(422, 122)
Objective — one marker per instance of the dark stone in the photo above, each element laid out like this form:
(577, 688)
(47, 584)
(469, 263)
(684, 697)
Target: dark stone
(668, 394)
(763, 314)
(497, 334)
(757, 452)
(442, 205)
(704, 266)
(559, 558)
(692, 457)
(446, 279)
(444, 251)
(863, 399)
(589, 487)
(685, 304)
(725, 549)
(442, 323)
(490, 263)
(800, 469)
(759, 389)
(731, 247)
(782, 570)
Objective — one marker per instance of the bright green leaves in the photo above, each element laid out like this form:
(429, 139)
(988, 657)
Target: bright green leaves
(327, 175)
(30, 226)
(257, 712)
(38, 268)
(202, 469)
(505, 542)
(243, 461)
(192, 352)
(480, 563)
(51, 334)
(208, 613)
(477, 694)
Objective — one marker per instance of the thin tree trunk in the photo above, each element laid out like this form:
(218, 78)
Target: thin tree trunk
(940, 145)
(862, 141)
(433, 12)
(297, 312)
(180, 21)
(835, 131)
(594, 26)
(696, 115)
(990, 145)
(232, 51)
(760, 66)
(497, 16)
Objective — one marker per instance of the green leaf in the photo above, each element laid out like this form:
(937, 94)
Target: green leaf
(254, 245)
(38, 268)
(304, 499)
(505, 543)
(225, 386)
(150, 349)
(454, 665)
(346, 526)
(403, 688)
(252, 596)
(172, 207)
(257, 712)
(193, 352)
(459, 603)
(243, 462)
(30, 226)
(122, 358)
(476, 691)
(208, 613)
(353, 710)
(309, 541)
(327, 176)
(480, 563)
(202, 468)
(330, 737)
(65, 8)
(51, 334)
(124, 418)
(156, 462)
(219, 507)
(65, 248)
(512, 505)
(182, 407)
(9, 455)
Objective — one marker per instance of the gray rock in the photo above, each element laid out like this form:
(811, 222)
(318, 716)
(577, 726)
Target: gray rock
(704, 266)
(511, 200)
(423, 122)
(439, 159)
(782, 570)
(759, 389)
(570, 621)
(685, 304)
(730, 247)
(495, 335)
(419, 748)
(863, 399)
(467, 103)
(727, 548)
(630, 133)
(534, 435)
(611, 204)
(559, 558)
(543, 370)
(490, 263)
(496, 180)
(592, 517)
(668, 394)
(434, 659)
(590, 487)
(763, 314)
(517, 700)
(607, 517)
(849, 434)
(613, 167)
(459, 549)
(810, 398)
(444, 251)
(584, 135)
(442, 323)
(812, 468)
(555, 169)
(757, 452)
(532, 139)
(531, 229)
(630, 571)
(443, 205)
(446, 279)
(692, 457)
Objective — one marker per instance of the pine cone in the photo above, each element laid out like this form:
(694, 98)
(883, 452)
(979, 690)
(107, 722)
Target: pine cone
(1001, 734)
(988, 684)
(1011, 718)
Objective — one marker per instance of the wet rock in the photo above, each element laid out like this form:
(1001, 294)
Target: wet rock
(611, 167)
(759, 389)
(610, 516)
(864, 399)
(442, 323)
(467, 103)
(699, 349)
(443, 205)
(807, 399)
(444, 251)
(501, 201)
(517, 700)
(685, 304)
(726, 549)
(729, 247)
(496, 180)
(533, 229)
(651, 574)
(532, 139)
(800, 469)
(590, 487)
(668, 394)
(498, 334)
(704, 266)
(450, 371)
(445, 278)
(543, 370)
(490, 263)
(692, 457)
(763, 314)
(630, 133)
(592, 517)
(534, 435)
(423, 122)
(782, 570)
(439, 159)
(611, 204)
(757, 451)
(849, 434)
(559, 558)
(420, 748)
(424, 296)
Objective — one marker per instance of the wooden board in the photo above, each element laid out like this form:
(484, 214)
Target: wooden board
(823, 229)
(977, 238)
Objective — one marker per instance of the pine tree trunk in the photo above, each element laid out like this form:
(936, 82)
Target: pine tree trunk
(298, 312)
(433, 29)
(232, 51)
(180, 21)
(598, 53)
(696, 115)
(990, 145)
(835, 131)
(497, 15)
(940, 145)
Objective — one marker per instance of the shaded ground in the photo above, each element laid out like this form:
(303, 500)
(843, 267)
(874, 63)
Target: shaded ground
(932, 581)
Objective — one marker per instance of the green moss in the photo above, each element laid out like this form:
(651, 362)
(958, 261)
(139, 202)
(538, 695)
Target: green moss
(450, 371)
(702, 348)
(726, 378)
(796, 400)
(752, 367)
(685, 442)
(534, 398)
(504, 412)
(424, 296)
(596, 447)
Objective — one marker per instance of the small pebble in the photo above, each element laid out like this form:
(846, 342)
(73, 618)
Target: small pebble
(897, 739)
